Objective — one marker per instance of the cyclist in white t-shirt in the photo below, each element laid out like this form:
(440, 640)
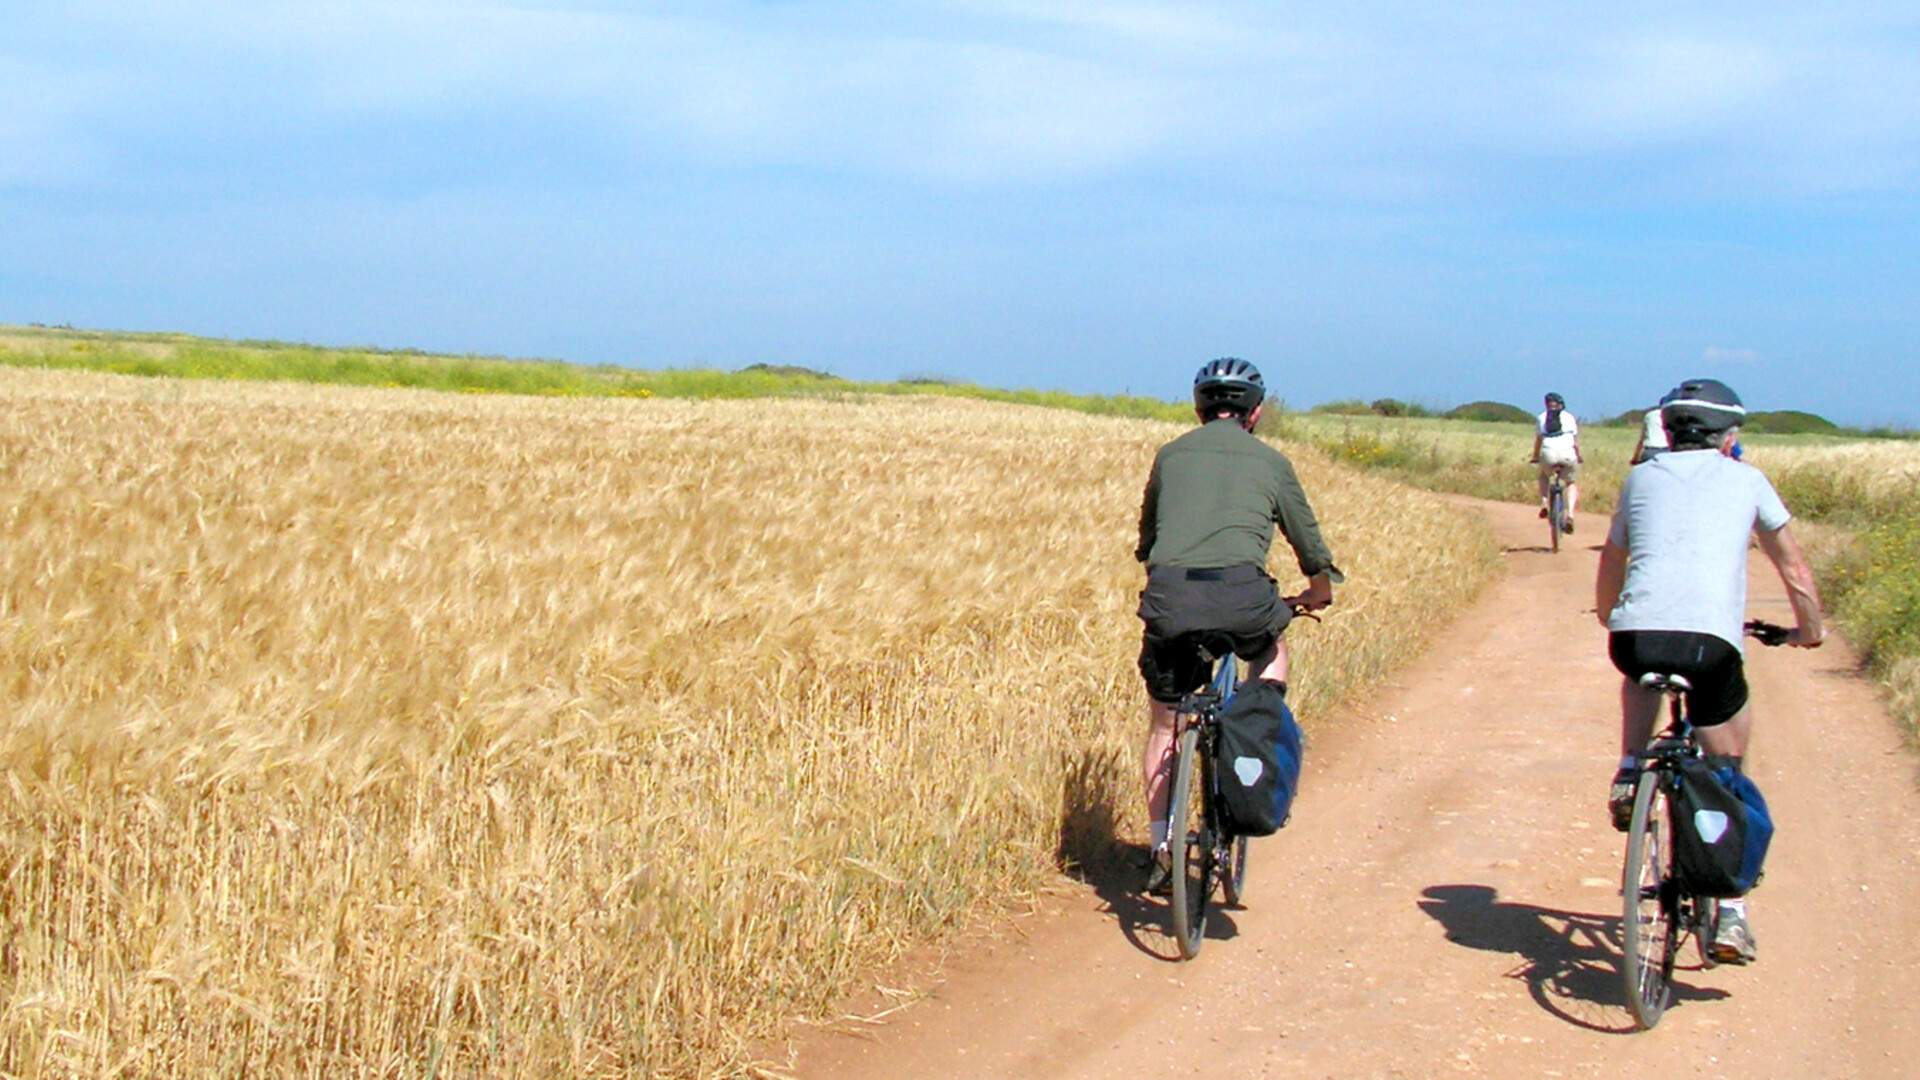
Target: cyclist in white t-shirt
(1672, 591)
(1653, 437)
(1556, 449)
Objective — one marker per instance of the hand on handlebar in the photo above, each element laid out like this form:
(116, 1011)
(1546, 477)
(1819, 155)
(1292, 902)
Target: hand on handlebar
(1308, 602)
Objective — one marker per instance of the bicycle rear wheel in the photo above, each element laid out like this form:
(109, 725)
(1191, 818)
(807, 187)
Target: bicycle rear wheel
(1649, 930)
(1191, 837)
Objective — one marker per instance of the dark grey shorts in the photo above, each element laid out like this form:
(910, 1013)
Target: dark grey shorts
(1235, 608)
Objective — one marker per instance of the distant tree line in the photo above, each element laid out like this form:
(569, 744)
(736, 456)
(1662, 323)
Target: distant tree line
(1764, 422)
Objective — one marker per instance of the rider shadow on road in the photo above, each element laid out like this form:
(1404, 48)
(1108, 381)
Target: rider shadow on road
(1090, 849)
(1571, 962)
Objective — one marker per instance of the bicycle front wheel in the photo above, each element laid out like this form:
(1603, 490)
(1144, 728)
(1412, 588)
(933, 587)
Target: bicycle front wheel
(1233, 873)
(1649, 931)
(1191, 838)
(1556, 515)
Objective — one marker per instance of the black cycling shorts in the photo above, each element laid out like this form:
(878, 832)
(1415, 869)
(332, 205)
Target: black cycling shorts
(1712, 665)
(1235, 607)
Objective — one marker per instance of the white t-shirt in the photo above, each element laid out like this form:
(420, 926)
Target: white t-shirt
(1685, 519)
(1569, 427)
(1653, 433)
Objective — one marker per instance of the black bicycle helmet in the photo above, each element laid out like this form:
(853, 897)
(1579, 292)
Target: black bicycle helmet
(1554, 398)
(1228, 383)
(1697, 412)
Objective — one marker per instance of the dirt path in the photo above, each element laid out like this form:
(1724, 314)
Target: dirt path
(1446, 902)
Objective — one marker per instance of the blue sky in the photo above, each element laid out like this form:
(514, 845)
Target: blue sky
(1367, 199)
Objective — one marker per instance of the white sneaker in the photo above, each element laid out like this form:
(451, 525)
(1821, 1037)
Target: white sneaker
(1733, 941)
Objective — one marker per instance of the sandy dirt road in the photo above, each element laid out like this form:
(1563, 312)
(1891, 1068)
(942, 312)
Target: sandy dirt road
(1446, 901)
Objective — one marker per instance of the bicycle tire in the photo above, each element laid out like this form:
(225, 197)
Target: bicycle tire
(1556, 515)
(1649, 926)
(1192, 846)
(1233, 873)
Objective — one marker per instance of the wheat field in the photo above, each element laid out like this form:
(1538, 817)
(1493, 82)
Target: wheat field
(389, 733)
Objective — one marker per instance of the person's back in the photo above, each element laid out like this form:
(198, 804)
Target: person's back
(1215, 495)
(1686, 519)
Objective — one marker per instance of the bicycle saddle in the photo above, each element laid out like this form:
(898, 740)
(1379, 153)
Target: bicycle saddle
(1659, 683)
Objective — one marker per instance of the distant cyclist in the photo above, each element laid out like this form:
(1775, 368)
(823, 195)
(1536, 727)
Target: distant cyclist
(1653, 437)
(1672, 589)
(1206, 524)
(1556, 449)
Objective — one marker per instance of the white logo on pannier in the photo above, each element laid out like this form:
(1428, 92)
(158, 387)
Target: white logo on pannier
(1248, 769)
(1710, 824)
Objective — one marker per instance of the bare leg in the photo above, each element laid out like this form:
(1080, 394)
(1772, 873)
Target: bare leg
(1638, 708)
(1573, 499)
(1729, 738)
(1156, 760)
(1271, 665)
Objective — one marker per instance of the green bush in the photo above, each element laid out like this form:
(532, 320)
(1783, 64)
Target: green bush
(1490, 411)
(1632, 418)
(1790, 422)
(1346, 407)
(1396, 407)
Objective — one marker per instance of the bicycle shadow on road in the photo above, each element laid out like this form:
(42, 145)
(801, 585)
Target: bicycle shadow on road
(1091, 850)
(1147, 921)
(1570, 961)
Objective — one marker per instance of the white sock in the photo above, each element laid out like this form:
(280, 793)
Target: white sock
(1736, 905)
(1157, 832)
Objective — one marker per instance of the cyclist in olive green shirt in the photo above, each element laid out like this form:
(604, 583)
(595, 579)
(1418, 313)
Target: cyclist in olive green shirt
(1206, 524)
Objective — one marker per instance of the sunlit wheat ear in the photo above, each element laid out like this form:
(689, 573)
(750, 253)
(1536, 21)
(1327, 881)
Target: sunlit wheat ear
(360, 733)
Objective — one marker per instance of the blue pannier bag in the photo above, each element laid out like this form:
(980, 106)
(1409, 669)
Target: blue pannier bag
(1257, 759)
(1721, 829)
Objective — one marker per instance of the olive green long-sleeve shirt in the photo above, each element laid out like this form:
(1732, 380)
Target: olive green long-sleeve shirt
(1214, 497)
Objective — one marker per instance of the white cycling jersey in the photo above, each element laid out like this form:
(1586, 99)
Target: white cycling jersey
(1685, 519)
(1561, 440)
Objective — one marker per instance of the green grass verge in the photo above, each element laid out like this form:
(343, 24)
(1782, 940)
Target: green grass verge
(185, 357)
(1870, 581)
